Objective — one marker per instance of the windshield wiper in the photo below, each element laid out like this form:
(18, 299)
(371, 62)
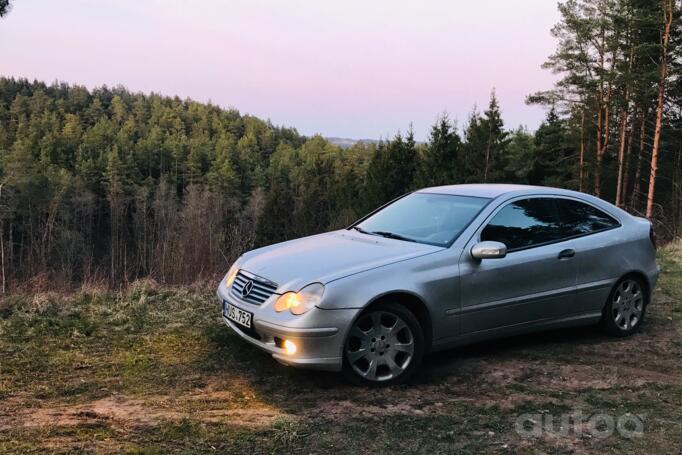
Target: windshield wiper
(386, 234)
(392, 235)
(359, 229)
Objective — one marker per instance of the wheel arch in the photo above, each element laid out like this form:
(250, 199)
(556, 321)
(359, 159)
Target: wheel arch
(412, 302)
(635, 274)
(643, 277)
(607, 322)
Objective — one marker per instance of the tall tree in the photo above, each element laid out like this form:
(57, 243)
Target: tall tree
(485, 144)
(496, 141)
(3, 182)
(624, 81)
(667, 13)
(607, 57)
(391, 170)
(438, 163)
(553, 163)
(521, 156)
(280, 198)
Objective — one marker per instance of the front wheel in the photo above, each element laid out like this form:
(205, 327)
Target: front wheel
(624, 311)
(384, 347)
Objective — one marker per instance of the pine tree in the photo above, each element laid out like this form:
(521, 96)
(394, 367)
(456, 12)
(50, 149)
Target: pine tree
(280, 203)
(496, 141)
(521, 156)
(553, 164)
(118, 187)
(438, 163)
(391, 170)
(485, 144)
(221, 173)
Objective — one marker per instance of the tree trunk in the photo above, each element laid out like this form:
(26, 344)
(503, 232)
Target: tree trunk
(677, 194)
(621, 156)
(628, 158)
(602, 139)
(638, 164)
(581, 171)
(2, 253)
(487, 154)
(597, 170)
(2, 241)
(623, 130)
(603, 129)
(600, 116)
(667, 23)
(2, 244)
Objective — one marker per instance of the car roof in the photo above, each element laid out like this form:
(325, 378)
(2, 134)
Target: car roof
(494, 190)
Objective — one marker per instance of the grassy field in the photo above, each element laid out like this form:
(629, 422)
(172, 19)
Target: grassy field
(155, 371)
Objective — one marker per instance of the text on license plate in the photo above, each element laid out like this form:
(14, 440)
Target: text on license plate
(233, 313)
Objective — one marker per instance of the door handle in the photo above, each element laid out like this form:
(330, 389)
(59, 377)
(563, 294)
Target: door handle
(565, 254)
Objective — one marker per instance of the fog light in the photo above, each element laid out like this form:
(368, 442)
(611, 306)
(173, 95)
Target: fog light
(289, 347)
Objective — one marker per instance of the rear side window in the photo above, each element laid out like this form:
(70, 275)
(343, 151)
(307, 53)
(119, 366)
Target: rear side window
(579, 218)
(525, 223)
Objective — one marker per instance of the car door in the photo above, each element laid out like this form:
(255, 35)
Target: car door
(535, 281)
(598, 244)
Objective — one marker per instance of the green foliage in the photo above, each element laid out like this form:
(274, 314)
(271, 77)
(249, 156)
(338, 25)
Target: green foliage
(439, 160)
(520, 155)
(100, 181)
(552, 164)
(608, 63)
(486, 145)
(391, 170)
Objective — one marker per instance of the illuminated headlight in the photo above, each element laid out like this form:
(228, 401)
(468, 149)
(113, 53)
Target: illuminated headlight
(301, 301)
(231, 274)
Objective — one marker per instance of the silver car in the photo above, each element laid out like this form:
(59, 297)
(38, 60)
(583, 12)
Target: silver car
(438, 268)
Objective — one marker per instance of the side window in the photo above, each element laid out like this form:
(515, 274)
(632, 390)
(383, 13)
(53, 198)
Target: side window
(524, 223)
(579, 218)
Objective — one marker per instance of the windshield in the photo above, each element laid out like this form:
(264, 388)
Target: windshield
(436, 219)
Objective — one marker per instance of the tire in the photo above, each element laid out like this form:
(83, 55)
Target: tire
(384, 346)
(625, 308)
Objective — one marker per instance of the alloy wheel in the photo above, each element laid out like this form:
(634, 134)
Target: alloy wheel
(380, 346)
(627, 306)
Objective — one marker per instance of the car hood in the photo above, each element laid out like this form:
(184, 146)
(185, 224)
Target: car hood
(327, 257)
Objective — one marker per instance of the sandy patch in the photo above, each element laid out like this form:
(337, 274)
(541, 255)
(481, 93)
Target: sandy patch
(121, 412)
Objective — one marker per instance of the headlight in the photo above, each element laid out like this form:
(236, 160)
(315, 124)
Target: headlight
(231, 274)
(301, 301)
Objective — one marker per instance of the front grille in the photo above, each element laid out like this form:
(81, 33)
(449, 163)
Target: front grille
(261, 291)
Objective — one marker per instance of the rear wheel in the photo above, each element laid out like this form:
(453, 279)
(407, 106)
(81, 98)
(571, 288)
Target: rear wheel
(384, 346)
(624, 311)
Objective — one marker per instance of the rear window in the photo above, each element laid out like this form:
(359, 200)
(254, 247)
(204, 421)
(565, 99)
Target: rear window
(578, 218)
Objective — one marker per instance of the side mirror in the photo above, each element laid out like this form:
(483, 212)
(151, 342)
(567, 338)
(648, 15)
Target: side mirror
(489, 250)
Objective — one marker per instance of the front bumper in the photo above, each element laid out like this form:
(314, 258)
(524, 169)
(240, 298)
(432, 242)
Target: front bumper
(319, 334)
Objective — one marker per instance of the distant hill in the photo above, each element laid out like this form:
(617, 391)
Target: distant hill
(345, 142)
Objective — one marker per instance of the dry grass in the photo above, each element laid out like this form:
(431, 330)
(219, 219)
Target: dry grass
(153, 370)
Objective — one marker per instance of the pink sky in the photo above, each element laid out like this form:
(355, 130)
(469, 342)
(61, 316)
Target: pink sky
(358, 69)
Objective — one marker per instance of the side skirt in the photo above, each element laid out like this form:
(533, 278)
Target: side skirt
(578, 320)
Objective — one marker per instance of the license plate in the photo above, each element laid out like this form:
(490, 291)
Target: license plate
(237, 315)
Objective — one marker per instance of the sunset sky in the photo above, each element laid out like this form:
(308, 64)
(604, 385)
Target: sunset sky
(357, 69)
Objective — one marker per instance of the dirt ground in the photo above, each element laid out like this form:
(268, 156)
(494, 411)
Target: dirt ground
(155, 371)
